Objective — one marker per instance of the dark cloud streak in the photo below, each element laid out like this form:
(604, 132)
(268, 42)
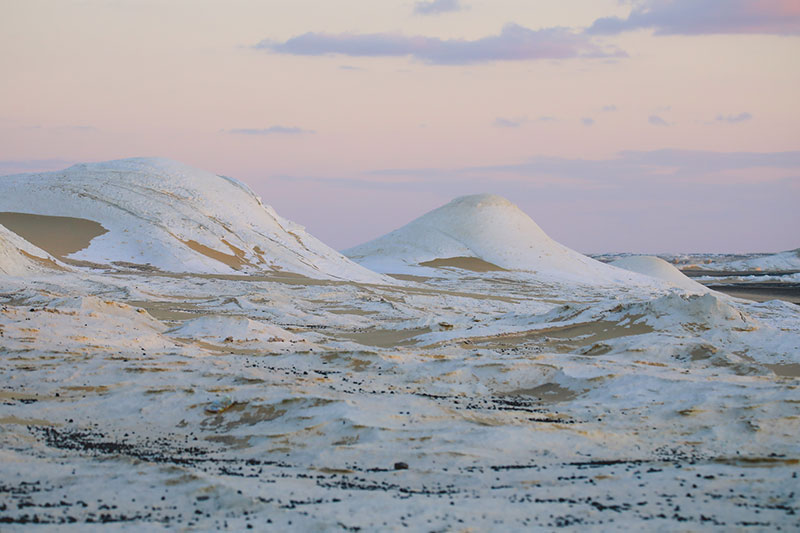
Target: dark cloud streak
(272, 130)
(741, 117)
(699, 17)
(437, 7)
(513, 43)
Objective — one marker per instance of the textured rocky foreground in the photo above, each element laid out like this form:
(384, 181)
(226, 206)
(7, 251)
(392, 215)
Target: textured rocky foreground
(484, 401)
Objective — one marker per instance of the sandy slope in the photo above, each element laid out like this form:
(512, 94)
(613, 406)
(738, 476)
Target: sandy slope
(161, 213)
(19, 257)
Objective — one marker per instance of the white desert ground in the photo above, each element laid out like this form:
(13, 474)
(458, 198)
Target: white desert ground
(175, 355)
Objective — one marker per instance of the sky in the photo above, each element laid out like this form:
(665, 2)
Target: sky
(641, 126)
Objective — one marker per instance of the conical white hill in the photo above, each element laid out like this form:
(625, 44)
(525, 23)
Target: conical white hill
(20, 258)
(486, 227)
(658, 268)
(158, 212)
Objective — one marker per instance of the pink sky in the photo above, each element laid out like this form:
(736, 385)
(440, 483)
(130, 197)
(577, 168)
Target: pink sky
(618, 126)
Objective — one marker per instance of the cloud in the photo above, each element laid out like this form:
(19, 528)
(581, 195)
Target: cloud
(655, 120)
(435, 7)
(654, 164)
(587, 121)
(667, 165)
(501, 122)
(609, 108)
(697, 17)
(513, 43)
(741, 117)
(272, 130)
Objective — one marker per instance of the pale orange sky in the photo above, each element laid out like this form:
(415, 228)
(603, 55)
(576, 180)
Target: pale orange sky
(314, 130)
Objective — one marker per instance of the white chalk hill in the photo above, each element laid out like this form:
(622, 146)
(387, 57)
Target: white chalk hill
(162, 213)
(484, 227)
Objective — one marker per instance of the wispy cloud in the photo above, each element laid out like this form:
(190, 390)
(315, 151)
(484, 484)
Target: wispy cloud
(695, 17)
(501, 122)
(272, 130)
(741, 117)
(436, 7)
(655, 120)
(658, 168)
(654, 164)
(513, 43)
(587, 121)
(76, 128)
(609, 108)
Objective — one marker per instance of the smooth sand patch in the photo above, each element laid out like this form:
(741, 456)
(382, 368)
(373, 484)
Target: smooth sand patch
(786, 370)
(560, 338)
(409, 277)
(549, 392)
(235, 261)
(385, 338)
(43, 261)
(58, 236)
(464, 263)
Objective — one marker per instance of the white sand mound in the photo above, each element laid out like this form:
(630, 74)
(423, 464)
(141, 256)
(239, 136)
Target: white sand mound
(693, 312)
(18, 257)
(238, 329)
(486, 227)
(658, 268)
(173, 217)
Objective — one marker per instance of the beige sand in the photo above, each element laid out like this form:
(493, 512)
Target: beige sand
(549, 392)
(43, 261)
(385, 338)
(560, 338)
(786, 370)
(464, 263)
(58, 236)
(235, 261)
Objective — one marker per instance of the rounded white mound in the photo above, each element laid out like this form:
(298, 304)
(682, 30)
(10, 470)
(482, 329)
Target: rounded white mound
(658, 268)
(18, 257)
(236, 329)
(484, 226)
(165, 214)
